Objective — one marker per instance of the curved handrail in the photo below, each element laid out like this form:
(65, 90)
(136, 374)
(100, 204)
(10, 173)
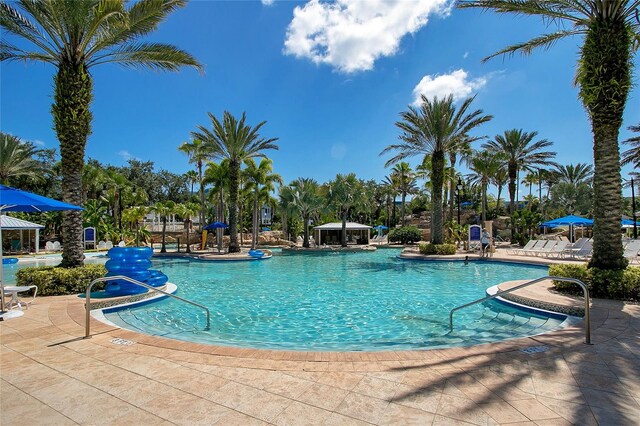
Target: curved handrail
(585, 290)
(131, 280)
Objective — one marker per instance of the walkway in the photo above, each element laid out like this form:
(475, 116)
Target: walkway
(49, 375)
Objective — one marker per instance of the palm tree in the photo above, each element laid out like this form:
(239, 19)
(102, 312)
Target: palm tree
(218, 176)
(94, 214)
(235, 141)
(484, 165)
(405, 182)
(164, 209)
(198, 152)
(192, 178)
(632, 155)
(499, 179)
(345, 192)
(286, 207)
(305, 197)
(75, 36)
(610, 31)
(263, 180)
(520, 153)
(134, 215)
(435, 129)
(186, 212)
(574, 174)
(16, 159)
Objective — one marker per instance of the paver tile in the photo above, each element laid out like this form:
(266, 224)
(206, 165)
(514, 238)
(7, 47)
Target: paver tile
(363, 407)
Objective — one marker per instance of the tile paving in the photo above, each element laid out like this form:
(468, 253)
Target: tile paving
(49, 375)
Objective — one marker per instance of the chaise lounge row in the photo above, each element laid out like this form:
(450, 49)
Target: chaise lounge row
(581, 249)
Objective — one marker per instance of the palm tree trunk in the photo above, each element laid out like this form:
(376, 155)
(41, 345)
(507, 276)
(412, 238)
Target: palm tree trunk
(343, 235)
(437, 225)
(163, 249)
(188, 223)
(254, 235)
(404, 220)
(305, 242)
(498, 198)
(484, 203)
(201, 196)
(72, 121)
(234, 174)
(604, 92)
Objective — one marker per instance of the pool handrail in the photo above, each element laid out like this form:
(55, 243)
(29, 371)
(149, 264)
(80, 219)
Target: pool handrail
(585, 290)
(131, 280)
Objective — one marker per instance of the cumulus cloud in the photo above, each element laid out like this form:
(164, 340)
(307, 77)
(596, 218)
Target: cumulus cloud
(351, 35)
(457, 84)
(126, 156)
(268, 2)
(38, 143)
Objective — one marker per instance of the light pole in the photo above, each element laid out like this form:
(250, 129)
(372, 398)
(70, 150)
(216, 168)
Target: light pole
(459, 188)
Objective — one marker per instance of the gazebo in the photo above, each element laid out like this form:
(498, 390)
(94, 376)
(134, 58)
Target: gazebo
(329, 233)
(9, 225)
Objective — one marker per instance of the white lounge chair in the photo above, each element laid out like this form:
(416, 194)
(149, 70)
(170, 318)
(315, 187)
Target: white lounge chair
(543, 249)
(557, 250)
(537, 244)
(102, 245)
(108, 245)
(48, 246)
(526, 247)
(585, 251)
(122, 244)
(57, 246)
(631, 251)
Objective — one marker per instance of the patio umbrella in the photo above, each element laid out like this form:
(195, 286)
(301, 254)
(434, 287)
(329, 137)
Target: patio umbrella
(216, 225)
(16, 200)
(380, 228)
(571, 221)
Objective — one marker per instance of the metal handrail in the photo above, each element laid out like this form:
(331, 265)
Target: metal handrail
(131, 280)
(585, 290)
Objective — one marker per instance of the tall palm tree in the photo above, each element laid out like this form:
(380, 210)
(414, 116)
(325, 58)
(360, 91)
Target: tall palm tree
(198, 152)
(186, 211)
(610, 38)
(405, 182)
(499, 179)
(16, 159)
(75, 36)
(262, 179)
(434, 129)
(632, 155)
(134, 215)
(218, 176)
(574, 174)
(286, 207)
(520, 153)
(237, 142)
(345, 192)
(484, 166)
(164, 209)
(192, 178)
(305, 196)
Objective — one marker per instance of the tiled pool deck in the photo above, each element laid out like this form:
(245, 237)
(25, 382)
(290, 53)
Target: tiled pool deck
(50, 375)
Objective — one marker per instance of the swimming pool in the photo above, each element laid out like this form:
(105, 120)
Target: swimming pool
(339, 302)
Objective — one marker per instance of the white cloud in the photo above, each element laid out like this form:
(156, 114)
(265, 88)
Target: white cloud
(466, 55)
(38, 142)
(126, 156)
(351, 35)
(268, 2)
(457, 84)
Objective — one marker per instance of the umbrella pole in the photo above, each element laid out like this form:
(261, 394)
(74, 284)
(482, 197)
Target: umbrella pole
(1, 275)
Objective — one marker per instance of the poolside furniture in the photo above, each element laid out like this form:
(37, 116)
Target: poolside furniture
(585, 251)
(48, 246)
(527, 246)
(102, 245)
(57, 246)
(558, 249)
(108, 245)
(575, 247)
(631, 251)
(537, 244)
(14, 291)
(542, 249)
(122, 244)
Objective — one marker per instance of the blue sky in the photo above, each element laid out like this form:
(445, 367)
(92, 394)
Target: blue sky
(332, 103)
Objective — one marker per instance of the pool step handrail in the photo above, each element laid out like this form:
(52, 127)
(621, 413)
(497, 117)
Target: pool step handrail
(131, 280)
(585, 290)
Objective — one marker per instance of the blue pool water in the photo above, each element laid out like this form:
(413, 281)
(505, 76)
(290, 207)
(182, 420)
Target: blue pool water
(338, 302)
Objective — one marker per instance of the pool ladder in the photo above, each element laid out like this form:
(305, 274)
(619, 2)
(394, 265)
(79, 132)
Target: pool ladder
(585, 290)
(131, 280)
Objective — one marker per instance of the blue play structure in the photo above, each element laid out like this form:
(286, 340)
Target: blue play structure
(9, 260)
(256, 253)
(132, 262)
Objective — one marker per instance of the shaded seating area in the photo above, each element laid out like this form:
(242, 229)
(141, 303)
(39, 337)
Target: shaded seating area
(19, 236)
(330, 233)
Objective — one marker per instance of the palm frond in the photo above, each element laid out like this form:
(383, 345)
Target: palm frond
(9, 52)
(154, 56)
(549, 9)
(15, 23)
(526, 48)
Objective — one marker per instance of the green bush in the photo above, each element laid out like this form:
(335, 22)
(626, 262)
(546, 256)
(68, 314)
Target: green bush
(54, 281)
(438, 249)
(405, 235)
(617, 284)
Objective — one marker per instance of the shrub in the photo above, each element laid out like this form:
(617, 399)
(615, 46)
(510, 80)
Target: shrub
(54, 281)
(405, 235)
(617, 284)
(438, 249)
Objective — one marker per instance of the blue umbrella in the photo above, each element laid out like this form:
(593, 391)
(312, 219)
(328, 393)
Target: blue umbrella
(570, 220)
(215, 225)
(16, 200)
(380, 227)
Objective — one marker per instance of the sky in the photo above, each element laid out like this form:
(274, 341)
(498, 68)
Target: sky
(329, 78)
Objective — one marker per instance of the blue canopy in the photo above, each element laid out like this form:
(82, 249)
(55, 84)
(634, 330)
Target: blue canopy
(570, 220)
(215, 225)
(16, 200)
(627, 222)
(466, 204)
(380, 227)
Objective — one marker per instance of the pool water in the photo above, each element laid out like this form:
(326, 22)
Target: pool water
(339, 302)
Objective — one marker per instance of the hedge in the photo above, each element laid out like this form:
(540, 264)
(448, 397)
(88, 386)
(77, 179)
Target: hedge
(405, 235)
(54, 281)
(617, 284)
(438, 249)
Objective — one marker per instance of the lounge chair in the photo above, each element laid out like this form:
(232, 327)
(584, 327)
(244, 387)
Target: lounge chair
(48, 246)
(543, 249)
(108, 245)
(631, 251)
(558, 249)
(102, 245)
(585, 251)
(576, 246)
(527, 246)
(122, 244)
(57, 246)
(537, 244)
